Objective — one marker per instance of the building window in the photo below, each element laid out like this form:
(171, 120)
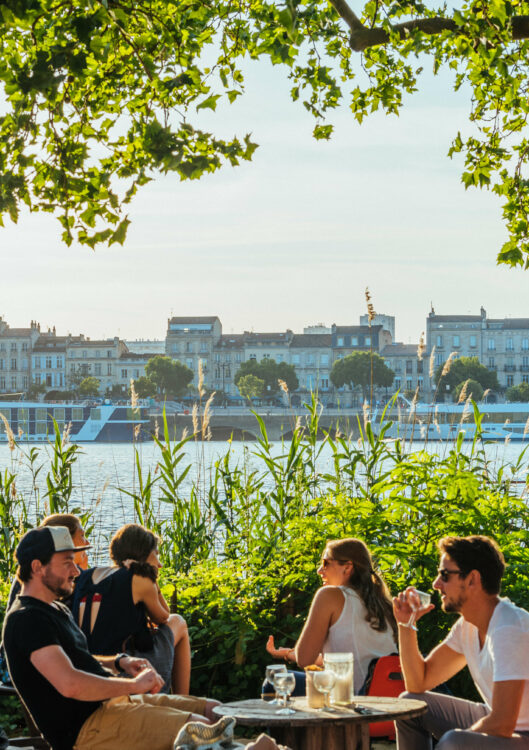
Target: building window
(325, 382)
(354, 340)
(310, 360)
(409, 385)
(174, 348)
(189, 363)
(13, 383)
(324, 359)
(525, 362)
(238, 357)
(217, 357)
(439, 341)
(135, 374)
(2, 382)
(473, 342)
(98, 369)
(59, 362)
(456, 341)
(420, 365)
(253, 356)
(25, 381)
(397, 383)
(203, 346)
(71, 354)
(491, 362)
(510, 361)
(13, 347)
(525, 344)
(189, 346)
(339, 341)
(109, 369)
(491, 345)
(295, 359)
(36, 378)
(509, 346)
(124, 374)
(24, 347)
(510, 380)
(525, 378)
(439, 359)
(48, 363)
(409, 366)
(420, 382)
(13, 364)
(109, 353)
(84, 353)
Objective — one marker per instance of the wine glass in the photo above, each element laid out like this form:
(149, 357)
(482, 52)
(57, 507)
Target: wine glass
(271, 669)
(324, 682)
(417, 600)
(284, 683)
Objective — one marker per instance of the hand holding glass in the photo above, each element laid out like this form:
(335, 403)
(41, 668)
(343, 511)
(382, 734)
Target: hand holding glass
(324, 682)
(284, 683)
(417, 600)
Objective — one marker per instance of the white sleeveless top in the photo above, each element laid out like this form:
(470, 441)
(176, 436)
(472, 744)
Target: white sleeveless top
(352, 632)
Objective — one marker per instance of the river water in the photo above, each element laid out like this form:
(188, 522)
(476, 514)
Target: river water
(102, 471)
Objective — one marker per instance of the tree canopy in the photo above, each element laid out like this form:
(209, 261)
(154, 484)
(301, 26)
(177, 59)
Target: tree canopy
(101, 95)
(271, 372)
(468, 389)
(89, 386)
(465, 368)
(250, 386)
(169, 376)
(518, 393)
(362, 369)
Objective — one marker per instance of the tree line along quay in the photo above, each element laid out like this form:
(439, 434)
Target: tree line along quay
(346, 365)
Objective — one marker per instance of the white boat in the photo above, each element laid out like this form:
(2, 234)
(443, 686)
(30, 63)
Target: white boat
(446, 421)
(101, 423)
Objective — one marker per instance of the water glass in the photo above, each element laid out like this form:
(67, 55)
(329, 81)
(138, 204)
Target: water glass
(284, 683)
(271, 669)
(342, 666)
(324, 682)
(417, 600)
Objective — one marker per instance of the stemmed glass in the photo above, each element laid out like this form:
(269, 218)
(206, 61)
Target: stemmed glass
(271, 669)
(417, 600)
(284, 683)
(324, 682)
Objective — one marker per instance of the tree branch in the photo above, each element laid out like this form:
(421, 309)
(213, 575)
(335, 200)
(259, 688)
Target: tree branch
(362, 37)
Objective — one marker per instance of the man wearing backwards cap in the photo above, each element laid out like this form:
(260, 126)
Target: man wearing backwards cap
(73, 698)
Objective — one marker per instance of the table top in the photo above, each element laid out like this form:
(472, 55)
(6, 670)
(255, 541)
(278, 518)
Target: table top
(256, 712)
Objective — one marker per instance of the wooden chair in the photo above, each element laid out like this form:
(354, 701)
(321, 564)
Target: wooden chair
(35, 739)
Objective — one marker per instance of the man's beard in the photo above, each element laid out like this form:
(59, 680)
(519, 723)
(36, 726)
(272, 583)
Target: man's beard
(57, 585)
(454, 605)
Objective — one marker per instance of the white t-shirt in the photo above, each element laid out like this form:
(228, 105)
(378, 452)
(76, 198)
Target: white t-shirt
(352, 633)
(504, 656)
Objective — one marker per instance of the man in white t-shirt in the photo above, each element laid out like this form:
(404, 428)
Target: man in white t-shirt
(491, 637)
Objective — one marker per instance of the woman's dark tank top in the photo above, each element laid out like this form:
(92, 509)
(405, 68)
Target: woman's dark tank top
(119, 623)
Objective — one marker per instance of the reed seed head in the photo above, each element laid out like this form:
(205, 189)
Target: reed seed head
(9, 433)
(206, 418)
(421, 348)
(464, 392)
(526, 428)
(370, 309)
(133, 395)
(448, 364)
(432, 362)
(194, 417)
(283, 385)
(201, 389)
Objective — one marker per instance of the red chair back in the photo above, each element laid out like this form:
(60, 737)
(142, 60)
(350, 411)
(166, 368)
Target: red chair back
(386, 681)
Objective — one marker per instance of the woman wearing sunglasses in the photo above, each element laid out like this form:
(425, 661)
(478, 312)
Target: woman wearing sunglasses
(351, 612)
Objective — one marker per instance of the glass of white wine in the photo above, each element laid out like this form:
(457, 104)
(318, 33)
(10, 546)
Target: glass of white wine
(324, 682)
(417, 600)
(284, 683)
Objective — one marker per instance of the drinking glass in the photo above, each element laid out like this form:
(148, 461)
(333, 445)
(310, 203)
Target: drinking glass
(417, 600)
(271, 669)
(324, 682)
(284, 683)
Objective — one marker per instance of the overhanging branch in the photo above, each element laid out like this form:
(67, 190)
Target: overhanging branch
(362, 37)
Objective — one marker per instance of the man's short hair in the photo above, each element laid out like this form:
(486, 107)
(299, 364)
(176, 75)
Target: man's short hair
(476, 553)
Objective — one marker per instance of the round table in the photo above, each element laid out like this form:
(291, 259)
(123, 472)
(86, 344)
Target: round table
(310, 729)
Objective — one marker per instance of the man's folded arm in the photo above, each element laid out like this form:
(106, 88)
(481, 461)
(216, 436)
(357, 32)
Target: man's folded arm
(506, 701)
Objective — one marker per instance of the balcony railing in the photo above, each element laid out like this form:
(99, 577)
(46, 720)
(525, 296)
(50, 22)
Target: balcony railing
(509, 368)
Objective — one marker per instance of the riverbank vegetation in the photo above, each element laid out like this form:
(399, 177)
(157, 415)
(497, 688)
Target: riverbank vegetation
(240, 549)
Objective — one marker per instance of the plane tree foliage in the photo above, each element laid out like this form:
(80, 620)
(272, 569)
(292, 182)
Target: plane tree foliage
(169, 376)
(271, 373)
(463, 369)
(102, 95)
(362, 369)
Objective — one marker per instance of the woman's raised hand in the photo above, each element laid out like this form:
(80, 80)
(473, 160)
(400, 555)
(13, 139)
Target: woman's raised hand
(278, 653)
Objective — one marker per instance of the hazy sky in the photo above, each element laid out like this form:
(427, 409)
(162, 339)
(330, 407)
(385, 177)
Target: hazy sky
(289, 239)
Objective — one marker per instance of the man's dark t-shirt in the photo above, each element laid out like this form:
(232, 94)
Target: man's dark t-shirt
(32, 624)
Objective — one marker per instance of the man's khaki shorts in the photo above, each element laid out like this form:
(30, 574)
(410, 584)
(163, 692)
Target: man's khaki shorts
(138, 722)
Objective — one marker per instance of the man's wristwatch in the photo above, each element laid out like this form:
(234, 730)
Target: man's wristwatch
(118, 658)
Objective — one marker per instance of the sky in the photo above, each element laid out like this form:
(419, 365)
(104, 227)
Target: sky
(290, 239)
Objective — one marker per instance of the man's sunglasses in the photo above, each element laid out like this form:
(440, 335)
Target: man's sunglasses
(444, 574)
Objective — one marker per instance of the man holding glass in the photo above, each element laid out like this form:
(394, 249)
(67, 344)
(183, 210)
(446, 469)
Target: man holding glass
(491, 637)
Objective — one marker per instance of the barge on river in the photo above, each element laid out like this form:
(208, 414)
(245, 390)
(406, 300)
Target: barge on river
(445, 421)
(87, 423)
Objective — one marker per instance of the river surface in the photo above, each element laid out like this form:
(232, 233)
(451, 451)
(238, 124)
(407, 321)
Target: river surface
(103, 471)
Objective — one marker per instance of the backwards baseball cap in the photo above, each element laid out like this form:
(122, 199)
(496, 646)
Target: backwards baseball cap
(42, 543)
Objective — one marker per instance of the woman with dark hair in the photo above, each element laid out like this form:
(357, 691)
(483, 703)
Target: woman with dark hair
(121, 608)
(351, 612)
